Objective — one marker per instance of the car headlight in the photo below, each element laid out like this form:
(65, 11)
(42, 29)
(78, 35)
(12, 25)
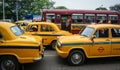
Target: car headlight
(59, 44)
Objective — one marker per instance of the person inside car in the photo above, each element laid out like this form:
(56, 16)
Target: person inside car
(34, 28)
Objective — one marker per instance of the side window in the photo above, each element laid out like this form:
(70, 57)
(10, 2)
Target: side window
(34, 28)
(46, 28)
(102, 33)
(115, 32)
(24, 24)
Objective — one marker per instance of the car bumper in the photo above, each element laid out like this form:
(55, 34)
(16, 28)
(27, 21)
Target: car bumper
(38, 59)
(61, 53)
(41, 56)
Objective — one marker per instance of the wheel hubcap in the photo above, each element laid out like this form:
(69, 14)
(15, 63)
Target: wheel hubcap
(8, 65)
(76, 58)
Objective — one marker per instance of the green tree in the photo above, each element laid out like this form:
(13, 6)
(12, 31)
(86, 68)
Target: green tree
(101, 8)
(24, 6)
(35, 6)
(115, 7)
(9, 6)
(60, 7)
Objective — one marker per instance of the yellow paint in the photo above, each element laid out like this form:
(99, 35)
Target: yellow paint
(50, 34)
(24, 54)
(96, 48)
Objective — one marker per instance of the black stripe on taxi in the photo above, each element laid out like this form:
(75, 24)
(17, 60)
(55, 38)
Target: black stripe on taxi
(19, 47)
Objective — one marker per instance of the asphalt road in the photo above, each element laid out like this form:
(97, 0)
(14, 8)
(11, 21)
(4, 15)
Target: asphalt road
(51, 61)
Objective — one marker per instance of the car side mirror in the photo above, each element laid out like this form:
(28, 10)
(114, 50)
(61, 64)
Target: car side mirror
(1, 36)
(93, 36)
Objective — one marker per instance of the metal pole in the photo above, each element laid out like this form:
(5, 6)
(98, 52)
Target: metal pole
(3, 10)
(17, 10)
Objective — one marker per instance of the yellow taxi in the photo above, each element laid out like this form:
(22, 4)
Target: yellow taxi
(95, 41)
(22, 23)
(47, 30)
(17, 48)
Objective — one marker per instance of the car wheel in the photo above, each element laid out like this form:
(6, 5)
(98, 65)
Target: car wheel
(76, 57)
(53, 44)
(8, 63)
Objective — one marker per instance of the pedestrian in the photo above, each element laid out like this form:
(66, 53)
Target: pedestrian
(68, 23)
(109, 21)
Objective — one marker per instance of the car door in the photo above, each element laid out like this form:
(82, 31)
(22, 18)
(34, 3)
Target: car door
(2, 42)
(48, 34)
(101, 43)
(115, 41)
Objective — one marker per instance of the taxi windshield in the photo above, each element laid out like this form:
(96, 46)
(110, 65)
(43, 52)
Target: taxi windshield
(16, 30)
(87, 32)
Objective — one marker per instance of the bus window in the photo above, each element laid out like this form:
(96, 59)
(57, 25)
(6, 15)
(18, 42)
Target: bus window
(58, 19)
(101, 18)
(50, 17)
(113, 19)
(77, 18)
(89, 18)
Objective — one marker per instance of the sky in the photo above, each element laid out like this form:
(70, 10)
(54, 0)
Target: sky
(85, 4)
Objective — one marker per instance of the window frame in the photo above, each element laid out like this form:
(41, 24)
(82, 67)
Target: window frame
(98, 34)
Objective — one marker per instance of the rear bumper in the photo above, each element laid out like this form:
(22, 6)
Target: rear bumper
(38, 59)
(41, 56)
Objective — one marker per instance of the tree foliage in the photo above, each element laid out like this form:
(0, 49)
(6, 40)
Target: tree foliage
(9, 6)
(36, 6)
(115, 7)
(24, 7)
(60, 7)
(101, 8)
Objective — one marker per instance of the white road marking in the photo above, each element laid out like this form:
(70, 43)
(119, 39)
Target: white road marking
(50, 55)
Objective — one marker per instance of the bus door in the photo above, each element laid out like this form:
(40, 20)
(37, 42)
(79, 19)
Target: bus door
(63, 22)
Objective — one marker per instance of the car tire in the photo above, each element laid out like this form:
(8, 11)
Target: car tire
(53, 44)
(9, 63)
(76, 57)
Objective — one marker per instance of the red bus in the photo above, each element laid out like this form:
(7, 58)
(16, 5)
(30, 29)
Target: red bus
(80, 18)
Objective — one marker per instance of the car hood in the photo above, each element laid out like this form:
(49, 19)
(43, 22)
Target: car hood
(73, 39)
(64, 33)
(28, 39)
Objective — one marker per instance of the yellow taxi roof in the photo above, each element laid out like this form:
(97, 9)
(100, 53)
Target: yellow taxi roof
(21, 21)
(6, 24)
(5, 29)
(104, 25)
(47, 23)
